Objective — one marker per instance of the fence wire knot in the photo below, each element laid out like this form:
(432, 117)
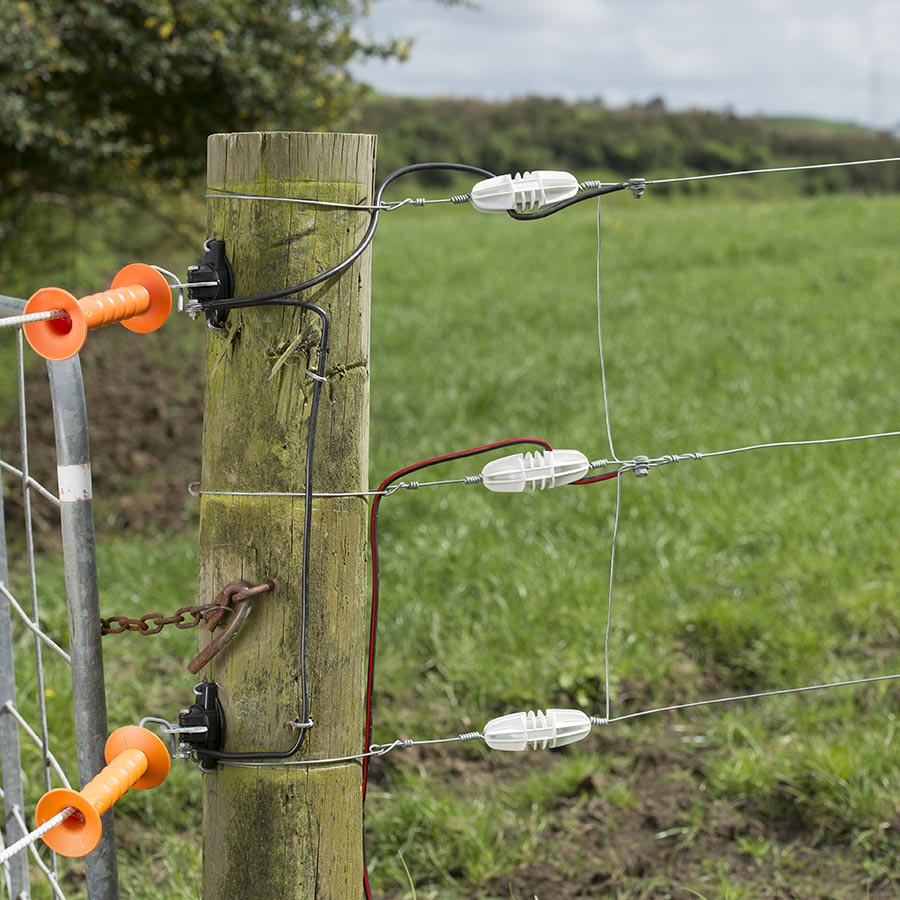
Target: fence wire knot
(641, 466)
(637, 186)
(383, 749)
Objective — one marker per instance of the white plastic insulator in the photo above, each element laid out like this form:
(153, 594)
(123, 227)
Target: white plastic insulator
(534, 471)
(539, 730)
(524, 192)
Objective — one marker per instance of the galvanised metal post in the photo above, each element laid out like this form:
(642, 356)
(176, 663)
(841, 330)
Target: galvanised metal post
(82, 596)
(73, 462)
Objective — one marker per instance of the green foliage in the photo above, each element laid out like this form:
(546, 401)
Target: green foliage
(545, 132)
(102, 91)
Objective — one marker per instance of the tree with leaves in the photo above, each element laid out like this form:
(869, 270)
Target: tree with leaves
(96, 91)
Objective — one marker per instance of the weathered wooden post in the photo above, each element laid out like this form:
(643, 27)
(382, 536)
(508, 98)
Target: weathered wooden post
(279, 831)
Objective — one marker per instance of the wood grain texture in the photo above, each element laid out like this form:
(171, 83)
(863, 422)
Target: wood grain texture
(288, 832)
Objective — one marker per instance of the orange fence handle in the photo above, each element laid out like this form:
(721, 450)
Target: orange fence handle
(135, 758)
(140, 298)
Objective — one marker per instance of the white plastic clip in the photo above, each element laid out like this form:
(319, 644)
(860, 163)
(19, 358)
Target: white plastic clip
(534, 471)
(524, 192)
(539, 730)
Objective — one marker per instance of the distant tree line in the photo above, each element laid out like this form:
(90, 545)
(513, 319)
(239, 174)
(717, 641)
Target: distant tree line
(592, 140)
(118, 96)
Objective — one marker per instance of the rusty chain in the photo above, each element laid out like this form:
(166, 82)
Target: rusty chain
(153, 623)
(187, 616)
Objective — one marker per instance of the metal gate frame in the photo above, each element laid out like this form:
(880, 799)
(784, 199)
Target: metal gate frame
(83, 610)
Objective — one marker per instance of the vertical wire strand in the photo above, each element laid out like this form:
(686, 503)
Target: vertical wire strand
(29, 546)
(612, 578)
(7, 873)
(612, 451)
(32, 571)
(51, 761)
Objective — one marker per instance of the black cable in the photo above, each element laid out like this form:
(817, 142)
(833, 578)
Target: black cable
(279, 298)
(307, 531)
(564, 204)
(366, 240)
(262, 299)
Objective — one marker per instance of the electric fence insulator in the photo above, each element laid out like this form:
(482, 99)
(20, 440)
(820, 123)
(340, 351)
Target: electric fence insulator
(136, 758)
(523, 192)
(534, 471)
(140, 298)
(538, 730)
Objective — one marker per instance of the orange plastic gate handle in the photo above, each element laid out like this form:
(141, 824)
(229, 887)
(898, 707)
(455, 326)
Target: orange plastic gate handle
(135, 758)
(140, 298)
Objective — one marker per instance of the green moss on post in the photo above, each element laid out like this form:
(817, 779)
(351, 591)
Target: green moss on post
(280, 831)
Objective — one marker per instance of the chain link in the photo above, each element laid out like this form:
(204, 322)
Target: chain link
(228, 600)
(153, 623)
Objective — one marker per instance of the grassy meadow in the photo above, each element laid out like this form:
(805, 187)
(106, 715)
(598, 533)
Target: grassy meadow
(727, 322)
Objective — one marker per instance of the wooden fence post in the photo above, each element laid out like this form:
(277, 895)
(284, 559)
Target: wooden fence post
(278, 831)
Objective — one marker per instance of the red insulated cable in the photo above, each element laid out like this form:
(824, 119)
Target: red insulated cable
(373, 614)
(597, 478)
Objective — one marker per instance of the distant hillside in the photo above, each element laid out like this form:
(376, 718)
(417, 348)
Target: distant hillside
(594, 141)
(823, 127)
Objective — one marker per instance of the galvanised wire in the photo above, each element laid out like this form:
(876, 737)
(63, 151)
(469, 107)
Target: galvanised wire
(29, 720)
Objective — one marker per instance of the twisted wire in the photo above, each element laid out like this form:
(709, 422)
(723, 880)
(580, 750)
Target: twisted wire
(25, 842)
(375, 750)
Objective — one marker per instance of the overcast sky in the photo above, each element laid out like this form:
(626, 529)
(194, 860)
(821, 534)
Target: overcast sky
(836, 59)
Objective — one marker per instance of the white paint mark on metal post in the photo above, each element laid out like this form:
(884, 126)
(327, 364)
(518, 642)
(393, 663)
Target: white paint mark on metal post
(75, 482)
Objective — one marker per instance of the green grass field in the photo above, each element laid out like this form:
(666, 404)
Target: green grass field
(726, 323)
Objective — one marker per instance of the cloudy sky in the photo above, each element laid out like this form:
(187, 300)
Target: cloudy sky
(836, 59)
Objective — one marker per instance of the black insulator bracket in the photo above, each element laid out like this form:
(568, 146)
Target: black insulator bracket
(212, 280)
(202, 726)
